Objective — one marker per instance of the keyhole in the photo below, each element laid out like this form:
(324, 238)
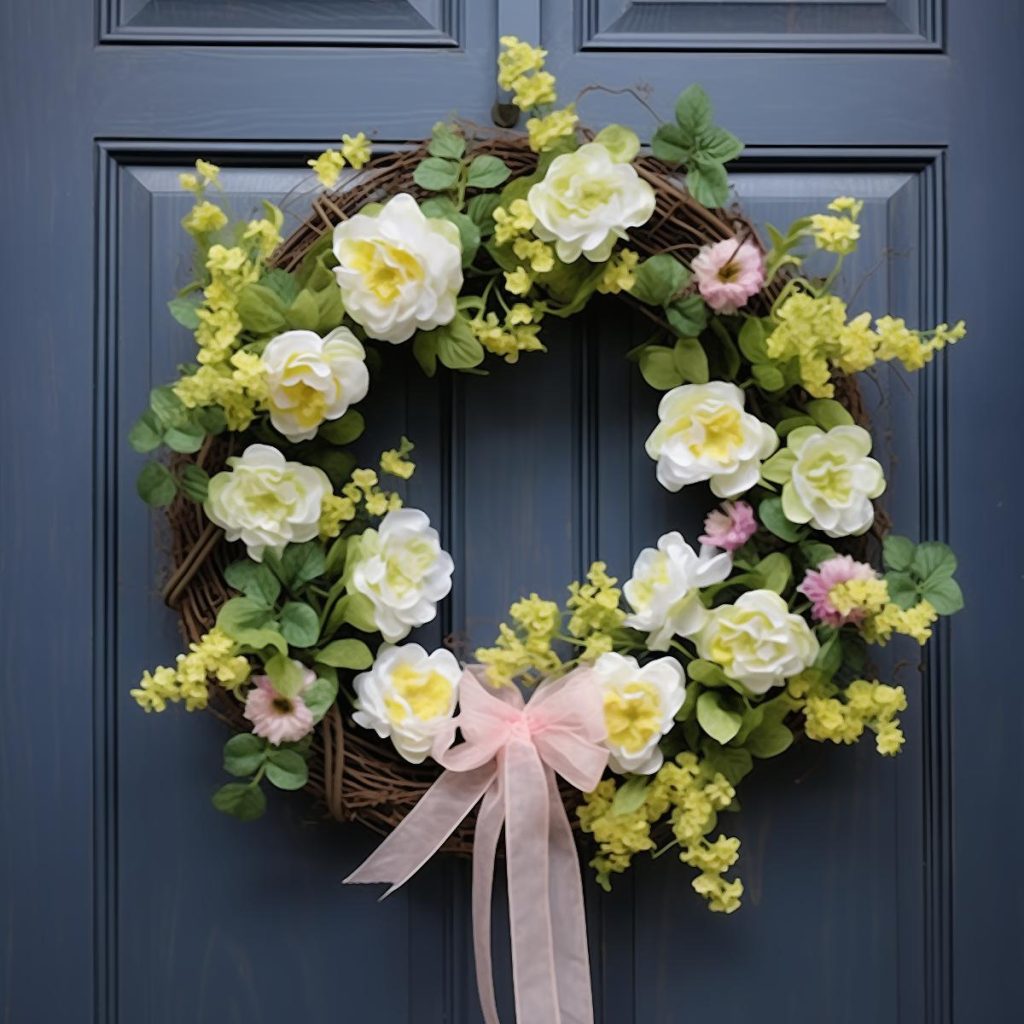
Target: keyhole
(504, 115)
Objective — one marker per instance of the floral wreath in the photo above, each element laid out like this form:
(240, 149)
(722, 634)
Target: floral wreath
(300, 576)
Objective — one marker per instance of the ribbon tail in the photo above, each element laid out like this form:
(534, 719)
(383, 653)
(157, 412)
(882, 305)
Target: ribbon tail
(527, 812)
(485, 849)
(568, 916)
(424, 829)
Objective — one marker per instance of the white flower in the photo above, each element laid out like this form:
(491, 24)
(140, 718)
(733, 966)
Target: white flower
(408, 695)
(399, 270)
(312, 379)
(704, 434)
(663, 590)
(758, 641)
(640, 706)
(831, 479)
(403, 572)
(586, 201)
(265, 501)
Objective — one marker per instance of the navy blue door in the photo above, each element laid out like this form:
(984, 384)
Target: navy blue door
(877, 891)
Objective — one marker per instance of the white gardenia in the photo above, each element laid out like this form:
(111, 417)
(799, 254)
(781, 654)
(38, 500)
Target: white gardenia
(265, 501)
(832, 480)
(758, 641)
(664, 588)
(408, 695)
(399, 270)
(586, 202)
(640, 705)
(402, 570)
(312, 379)
(704, 433)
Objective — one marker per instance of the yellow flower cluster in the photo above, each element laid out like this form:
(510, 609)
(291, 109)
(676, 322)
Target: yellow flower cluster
(517, 334)
(335, 512)
(204, 218)
(395, 461)
(816, 332)
(539, 255)
(510, 224)
(523, 649)
(364, 489)
(237, 386)
(618, 273)
(838, 234)
(214, 656)
(915, 622)
(865, 705)
(264, 234)
(869, 596)
(521, 71)
(206, 174)
(692, 794)
(594, 611)
(355, 152)
(545, 132)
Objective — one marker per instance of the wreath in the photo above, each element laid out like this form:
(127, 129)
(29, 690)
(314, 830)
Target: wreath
(299, 574)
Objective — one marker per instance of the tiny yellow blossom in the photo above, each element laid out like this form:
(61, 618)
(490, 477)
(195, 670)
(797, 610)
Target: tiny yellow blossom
(618, 273)
(518, 281)
(356, 150)
(395, 463)
(520, 313)
(210, 172)
(847, 205)
(544, 132)
(189, 182)
(335, 511)
(516, 59)
(328, 167)
(834, 234)
(516, 220)
(538, 254)
(535, 90)
(203, 218)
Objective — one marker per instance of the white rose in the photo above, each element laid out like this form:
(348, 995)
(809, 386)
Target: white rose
(265, 501)
(704, 434)
(399, 270)
(831, 479)
(758, 641)
(312, 379)
(408, 695)
(586, 201)
(401, 569)
(663, 590)
(640, 706)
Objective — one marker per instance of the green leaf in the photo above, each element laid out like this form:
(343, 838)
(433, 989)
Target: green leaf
(155, 485)
(779, 468)
(358, 612)
(708, 673)
(658, 279)
(211, 418)
(287, 769)
(733, 762)
(287, 675)
(898, 552)
(830, 655)
(255, 580)
(481, 211)
(186, 438)
(439, 207)
(629, 796)
(828, 413)
(658, 366)
(943, 594)
(769, 739)
(241, 800)
(184, 311)
(436, 174)
(718, 145)
(691, 361)
(260, 309)
(282, 284)
(785, 427)
(194, 482)
(329, 308)
(304, 313)
(446, 142)
(715, 719)
(752, 340)
(147, 433)
(768, 377)
(457, 345)
(320, 695)
(708, 184)
(903, 589)
(693, 112)
(933, 561)
(353, 654)
(469, 236)
(770, 513)
(250, 622)
(345, 429)
(775, 570)
(424, 349)
(487, 172)
(688, 316)
(814, 552)
(670, 144)
(300, 625)
(302, 563)
(167, 406)
(244, 754)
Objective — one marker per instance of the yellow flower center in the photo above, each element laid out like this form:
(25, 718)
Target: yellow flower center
(426, 694)
(632, 716)
(308, 404)
(722, 430)
(830, 477)
(407, 567)
(384, 267)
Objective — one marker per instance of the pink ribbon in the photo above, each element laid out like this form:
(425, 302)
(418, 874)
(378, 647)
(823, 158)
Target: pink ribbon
(508, 760)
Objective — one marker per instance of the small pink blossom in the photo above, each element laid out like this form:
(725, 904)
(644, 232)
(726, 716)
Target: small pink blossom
(278, 718)
(728, 273)
(818, 584)
(731, 527)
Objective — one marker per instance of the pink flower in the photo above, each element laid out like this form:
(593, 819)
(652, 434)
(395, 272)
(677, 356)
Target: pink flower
(731, 527)
(819, 582)
(728, 273)
(278, 718)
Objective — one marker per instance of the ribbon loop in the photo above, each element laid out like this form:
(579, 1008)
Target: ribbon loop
(508, 759)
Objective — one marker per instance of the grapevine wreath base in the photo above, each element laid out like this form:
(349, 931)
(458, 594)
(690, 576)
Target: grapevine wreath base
(354, 774)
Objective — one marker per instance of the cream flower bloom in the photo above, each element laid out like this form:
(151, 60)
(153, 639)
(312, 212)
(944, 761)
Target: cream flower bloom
(758, 641)
(265, 501)
(664, 589)
(640, 706)
(586, 201)
(399, 271)
(408, 695)
(312, 379)
(832, 480)
(704, 434)
(402, 570)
